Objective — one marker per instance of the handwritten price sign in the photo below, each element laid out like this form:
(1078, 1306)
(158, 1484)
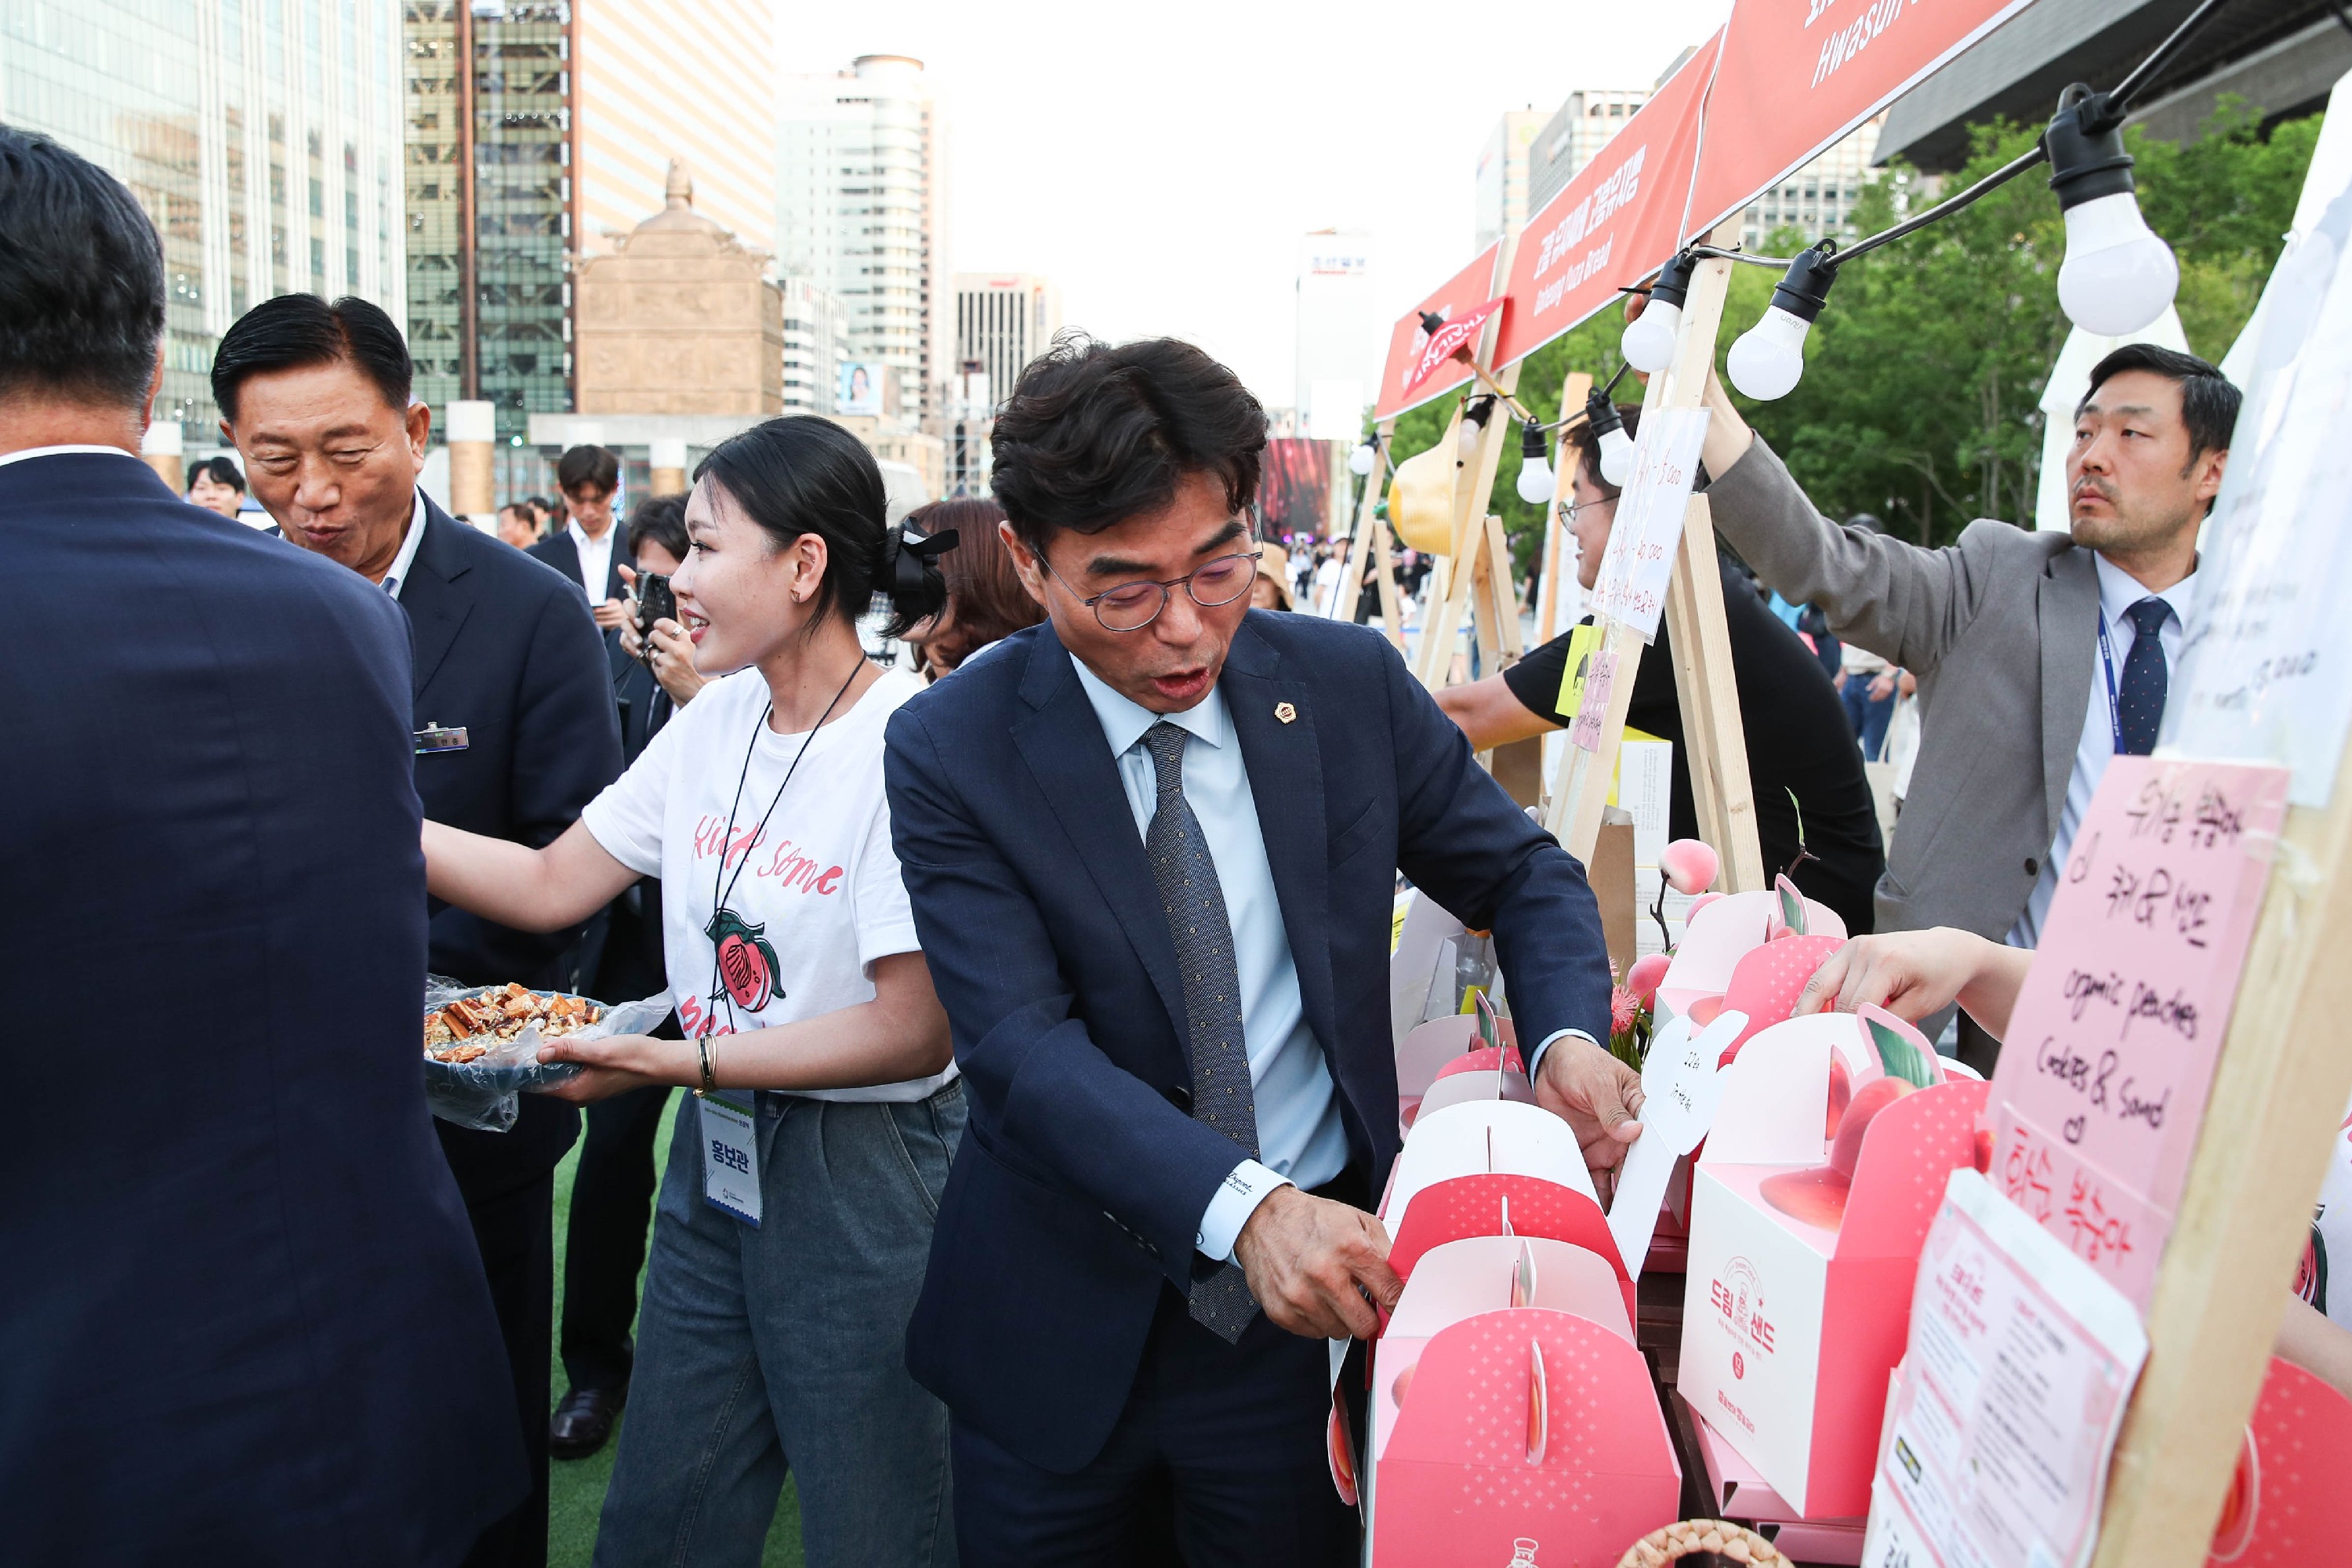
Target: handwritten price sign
(1648, 527)
(2110, 1053)
(1592, 712)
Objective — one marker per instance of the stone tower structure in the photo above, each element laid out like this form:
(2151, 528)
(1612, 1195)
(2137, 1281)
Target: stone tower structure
(680, 319)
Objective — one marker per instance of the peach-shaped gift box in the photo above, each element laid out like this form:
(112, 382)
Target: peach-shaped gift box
(1804, 1243)
(1727, 931)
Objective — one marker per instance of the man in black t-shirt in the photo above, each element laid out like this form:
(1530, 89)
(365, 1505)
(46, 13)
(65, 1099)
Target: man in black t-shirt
(1800, 742)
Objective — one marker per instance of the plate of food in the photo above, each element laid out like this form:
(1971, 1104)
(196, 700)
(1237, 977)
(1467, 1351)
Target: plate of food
(487, 1038)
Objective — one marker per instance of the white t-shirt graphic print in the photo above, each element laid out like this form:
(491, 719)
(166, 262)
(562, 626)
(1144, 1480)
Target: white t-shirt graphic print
(812, 899)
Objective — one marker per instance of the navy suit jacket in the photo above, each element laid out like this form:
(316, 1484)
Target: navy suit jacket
(559, 552)
(506, 650)
(1081, 1180)
(244, 1315)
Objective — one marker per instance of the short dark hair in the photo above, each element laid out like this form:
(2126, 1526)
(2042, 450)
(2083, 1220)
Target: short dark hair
(1095, 433)
(659, 520)
(2209, 402)
(803, 474)
(293, 332)
(81, 278)
(1588, 446)
(591, 467)
(222, 470)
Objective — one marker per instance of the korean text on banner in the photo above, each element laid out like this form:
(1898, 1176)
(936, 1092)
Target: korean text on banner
(1648, 527)
(2110, 1053)
(1619, 220)
(1797, 75)
(2004, 1411)
(1400, 386)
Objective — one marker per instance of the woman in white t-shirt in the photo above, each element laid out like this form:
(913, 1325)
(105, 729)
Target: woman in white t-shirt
(795, 1217)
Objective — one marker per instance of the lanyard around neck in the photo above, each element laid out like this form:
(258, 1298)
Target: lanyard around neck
(2114, 707)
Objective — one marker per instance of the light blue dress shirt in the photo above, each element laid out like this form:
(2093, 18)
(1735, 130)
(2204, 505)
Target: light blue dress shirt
(1300, 1139)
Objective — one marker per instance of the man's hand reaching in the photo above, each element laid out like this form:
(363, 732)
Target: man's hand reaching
(1310, 1262)
(1598, 1097)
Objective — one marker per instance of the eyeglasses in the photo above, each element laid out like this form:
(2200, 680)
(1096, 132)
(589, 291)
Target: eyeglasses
(1568, 513)
(1131, 607)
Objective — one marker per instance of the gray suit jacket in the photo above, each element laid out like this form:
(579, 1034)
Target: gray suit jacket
(1999, 629)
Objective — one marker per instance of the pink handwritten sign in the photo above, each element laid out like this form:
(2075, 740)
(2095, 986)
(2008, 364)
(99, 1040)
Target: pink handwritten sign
(2110, 1052)
(1647, 528)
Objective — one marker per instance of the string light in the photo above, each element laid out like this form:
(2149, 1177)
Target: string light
(1770, 358)
(1537, 482)
(1649, 341)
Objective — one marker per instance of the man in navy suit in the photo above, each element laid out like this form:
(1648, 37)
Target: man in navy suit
(589, 548)
(1151, 846)
(517, 732)
(244, 1315)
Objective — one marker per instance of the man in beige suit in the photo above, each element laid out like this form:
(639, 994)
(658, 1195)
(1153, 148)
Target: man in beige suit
(2040, 656)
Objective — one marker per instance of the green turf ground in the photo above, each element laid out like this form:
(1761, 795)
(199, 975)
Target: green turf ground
(577, 1486)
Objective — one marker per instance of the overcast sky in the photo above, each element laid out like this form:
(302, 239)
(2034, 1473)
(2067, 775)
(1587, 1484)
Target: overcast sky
(1160, 161)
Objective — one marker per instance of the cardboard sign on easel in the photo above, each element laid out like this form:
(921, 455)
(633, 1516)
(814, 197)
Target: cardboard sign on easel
(1713, 741)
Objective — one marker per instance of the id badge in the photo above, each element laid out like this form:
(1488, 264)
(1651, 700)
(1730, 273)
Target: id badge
(730, 1158)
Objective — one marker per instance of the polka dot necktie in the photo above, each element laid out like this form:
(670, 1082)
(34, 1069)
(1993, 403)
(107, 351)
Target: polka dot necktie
(1194, 903)
(2139, 699)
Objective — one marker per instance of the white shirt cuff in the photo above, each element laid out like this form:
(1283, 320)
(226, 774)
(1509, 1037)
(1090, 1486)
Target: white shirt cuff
(1244, 1187)
(1534, 1063)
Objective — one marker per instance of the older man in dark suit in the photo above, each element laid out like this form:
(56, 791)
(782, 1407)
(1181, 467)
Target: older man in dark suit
(514, 712)
(244, 1319)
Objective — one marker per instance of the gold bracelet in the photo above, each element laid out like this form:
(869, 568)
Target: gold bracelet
(709, 1078)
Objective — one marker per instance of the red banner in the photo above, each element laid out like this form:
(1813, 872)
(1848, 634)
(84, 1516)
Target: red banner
(1404, 384)
(1447, 342)
(1798, 75)
(1619, 219)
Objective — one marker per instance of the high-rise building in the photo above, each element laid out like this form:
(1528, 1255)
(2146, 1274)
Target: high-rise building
(1003, 320)
(1577, 130)
(814, 350)
(539, 132)
(1501, 205)
(262, 138)
(1818, 198)
(860, 209)
(1339, 334)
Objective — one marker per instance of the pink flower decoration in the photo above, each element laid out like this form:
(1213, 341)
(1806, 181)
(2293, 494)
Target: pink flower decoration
(1644, 979)
(1622, 1009)
(1689, 865)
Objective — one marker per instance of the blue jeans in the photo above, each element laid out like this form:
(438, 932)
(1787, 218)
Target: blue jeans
(783, 1346)
(1871, 715)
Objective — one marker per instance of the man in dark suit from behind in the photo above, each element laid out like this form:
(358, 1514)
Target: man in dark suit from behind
(244, 1317)
(315, 398)
(587, 547)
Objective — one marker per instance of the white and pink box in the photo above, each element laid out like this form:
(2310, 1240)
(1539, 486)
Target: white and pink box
(1804, 1247)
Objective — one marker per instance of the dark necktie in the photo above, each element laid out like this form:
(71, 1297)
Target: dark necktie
(2139, 699)
(1194, 904)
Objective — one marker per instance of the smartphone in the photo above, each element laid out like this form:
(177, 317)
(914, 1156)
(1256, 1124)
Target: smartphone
(654, 603)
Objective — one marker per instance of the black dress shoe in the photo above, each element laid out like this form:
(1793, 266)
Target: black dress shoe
(584, 1422)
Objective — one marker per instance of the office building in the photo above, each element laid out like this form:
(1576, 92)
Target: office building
(2279, 60)
(1339, 335)
(1003, 320)
(264, 140)
(554, 143)
(814, 350)
(1577, 131)
(1818, 199)
(1500, 204)
(860, 210)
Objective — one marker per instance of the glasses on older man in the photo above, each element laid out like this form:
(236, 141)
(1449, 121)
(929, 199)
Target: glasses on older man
(1131, 607)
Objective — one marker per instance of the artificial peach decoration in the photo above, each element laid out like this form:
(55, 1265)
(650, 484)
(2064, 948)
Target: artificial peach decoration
(1697, 904)
(1690, 866)
(1643, 979)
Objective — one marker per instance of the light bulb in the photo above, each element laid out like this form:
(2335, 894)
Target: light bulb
(1616, 457)
(1468, 440)
(2118, 276)
(1360, 461)
(1649, 343)
(1768, 359)
(1536, 483)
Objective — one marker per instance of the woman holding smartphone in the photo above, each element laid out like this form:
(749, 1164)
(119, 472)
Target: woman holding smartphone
(795, 1217)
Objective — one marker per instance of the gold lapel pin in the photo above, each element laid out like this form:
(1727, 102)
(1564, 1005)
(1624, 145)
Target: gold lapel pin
(1285, 711)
